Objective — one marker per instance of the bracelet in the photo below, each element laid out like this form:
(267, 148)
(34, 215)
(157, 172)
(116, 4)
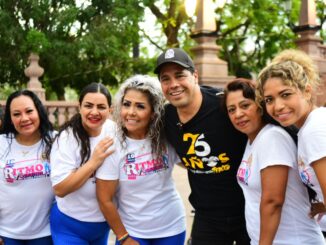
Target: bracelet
(123, 238)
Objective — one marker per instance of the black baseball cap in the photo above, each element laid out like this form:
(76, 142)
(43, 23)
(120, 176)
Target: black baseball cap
(174, 55)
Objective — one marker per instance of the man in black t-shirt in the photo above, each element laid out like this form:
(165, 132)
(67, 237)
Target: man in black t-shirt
(208, 146)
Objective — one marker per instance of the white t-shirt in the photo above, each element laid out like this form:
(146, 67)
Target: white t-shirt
(148, 202)
(26, 193)
(273, 146)
(65, 158)
(312, 147)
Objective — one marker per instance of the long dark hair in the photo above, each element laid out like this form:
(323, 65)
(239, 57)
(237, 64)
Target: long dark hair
(75, 123)
(45, 127)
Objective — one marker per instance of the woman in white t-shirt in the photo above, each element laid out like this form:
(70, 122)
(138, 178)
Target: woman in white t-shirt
(288, 86)
(79, 149)
(26, 194)
(276, 202)
(148, 209)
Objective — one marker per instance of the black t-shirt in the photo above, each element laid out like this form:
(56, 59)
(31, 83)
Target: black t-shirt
(211, 149)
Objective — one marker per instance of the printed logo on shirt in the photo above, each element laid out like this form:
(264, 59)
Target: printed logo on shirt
(131, 157)
(26, 169)
(137, 167)
(304, 173)
(199, 158)
(244, 170)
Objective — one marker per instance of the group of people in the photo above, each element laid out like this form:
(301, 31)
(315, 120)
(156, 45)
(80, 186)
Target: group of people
(255, 154)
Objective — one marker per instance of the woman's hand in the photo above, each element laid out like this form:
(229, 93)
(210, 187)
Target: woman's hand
(317, 208)
(78, 178)
(130, 241)
(319, 167)
(101, 152)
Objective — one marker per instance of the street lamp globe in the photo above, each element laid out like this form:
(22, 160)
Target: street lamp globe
(190, 6)
(220, 3)
(288, 5)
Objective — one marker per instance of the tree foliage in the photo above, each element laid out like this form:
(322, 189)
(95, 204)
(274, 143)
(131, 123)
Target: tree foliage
(77, 44)
(321, 13)
(98, 40)
(170, 14)
(250, 32)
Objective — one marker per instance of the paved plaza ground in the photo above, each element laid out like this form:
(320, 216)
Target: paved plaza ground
(181, 181)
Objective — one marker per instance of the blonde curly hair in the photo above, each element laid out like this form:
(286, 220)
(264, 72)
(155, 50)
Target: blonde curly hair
(295, 68)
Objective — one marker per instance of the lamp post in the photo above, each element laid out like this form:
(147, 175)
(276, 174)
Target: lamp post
(312, 44)
(307, 21)
(307, 40)
(288, 5)
(212, 70)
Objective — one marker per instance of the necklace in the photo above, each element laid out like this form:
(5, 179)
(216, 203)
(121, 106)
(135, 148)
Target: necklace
(24, 153)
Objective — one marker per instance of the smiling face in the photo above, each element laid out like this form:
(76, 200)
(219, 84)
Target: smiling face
(244, 114)
(286, 104)
(25, 117)
(178, 84)
(136, 113)
(94, 111)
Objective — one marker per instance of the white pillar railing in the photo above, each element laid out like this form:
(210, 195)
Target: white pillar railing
(60, 111)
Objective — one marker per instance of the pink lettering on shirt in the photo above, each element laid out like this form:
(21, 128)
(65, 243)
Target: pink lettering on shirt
(32, 169)
(142, 168)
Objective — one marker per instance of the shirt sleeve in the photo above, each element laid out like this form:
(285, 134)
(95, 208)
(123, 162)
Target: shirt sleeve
(4, 145)
(173, 156)
(276, 147)
(64, 157)
(314, 143)
(110, 169)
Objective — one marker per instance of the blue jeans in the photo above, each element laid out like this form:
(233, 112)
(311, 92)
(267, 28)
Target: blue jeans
(221, 231)
(69, 231)
(37, 241)
(178, 239)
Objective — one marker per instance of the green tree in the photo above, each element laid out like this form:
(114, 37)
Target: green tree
(171, 15)
(99, 39)
(250, 32)
(321, 13)
(77, 44)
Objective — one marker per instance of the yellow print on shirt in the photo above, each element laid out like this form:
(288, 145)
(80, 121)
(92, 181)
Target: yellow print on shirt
(199, 156)
(193, 162)
(224, 167)
(198, 144)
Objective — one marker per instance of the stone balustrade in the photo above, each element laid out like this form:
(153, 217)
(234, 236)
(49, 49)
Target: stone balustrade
(61, 111)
